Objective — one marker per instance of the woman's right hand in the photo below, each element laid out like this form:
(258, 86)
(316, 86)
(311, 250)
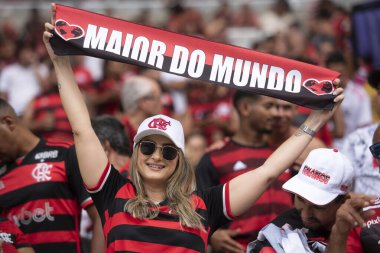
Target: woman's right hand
(49, 27)
(319, 117)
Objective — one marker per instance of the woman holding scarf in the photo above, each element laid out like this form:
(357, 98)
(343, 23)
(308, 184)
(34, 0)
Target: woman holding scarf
(158, 209)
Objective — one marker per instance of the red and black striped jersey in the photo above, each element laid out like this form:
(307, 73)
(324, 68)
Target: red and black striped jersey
(124, 233)
(221, 165)
(366, 239)
(11, 236)
(42, 193)
(50, 103)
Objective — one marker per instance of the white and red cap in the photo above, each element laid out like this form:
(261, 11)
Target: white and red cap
(325, 174)
(161, 125)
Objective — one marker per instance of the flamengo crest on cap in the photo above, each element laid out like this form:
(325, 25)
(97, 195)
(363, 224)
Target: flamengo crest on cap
(159, 123)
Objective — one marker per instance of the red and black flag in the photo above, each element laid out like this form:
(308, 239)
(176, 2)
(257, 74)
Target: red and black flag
(87, 33)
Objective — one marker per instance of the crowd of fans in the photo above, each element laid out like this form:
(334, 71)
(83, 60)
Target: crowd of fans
(224, 136)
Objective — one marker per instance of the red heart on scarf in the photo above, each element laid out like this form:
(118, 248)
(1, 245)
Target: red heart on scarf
(68, 31)
(319, 87)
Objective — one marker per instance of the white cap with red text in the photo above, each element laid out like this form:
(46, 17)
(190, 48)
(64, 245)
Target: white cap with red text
(325, 174)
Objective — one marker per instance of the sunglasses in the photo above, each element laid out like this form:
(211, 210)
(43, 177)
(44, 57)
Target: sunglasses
(375, 150)
(149, 147)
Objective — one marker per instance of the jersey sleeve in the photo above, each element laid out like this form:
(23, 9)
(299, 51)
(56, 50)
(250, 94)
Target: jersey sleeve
(206, 174)
(106, 189)
(218, 205)
(353, 241)
(20, 240)
(75, 179)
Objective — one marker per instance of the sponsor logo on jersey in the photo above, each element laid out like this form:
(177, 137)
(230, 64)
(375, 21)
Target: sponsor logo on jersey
(373, 221)
(38, 215)
(46, 155)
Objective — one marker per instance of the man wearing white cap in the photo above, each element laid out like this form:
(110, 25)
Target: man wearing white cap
(320, 187)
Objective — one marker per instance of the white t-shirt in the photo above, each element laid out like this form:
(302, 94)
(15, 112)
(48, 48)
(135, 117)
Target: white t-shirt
(356, 108)
(179, 96)
(21, 85)
(356, 148)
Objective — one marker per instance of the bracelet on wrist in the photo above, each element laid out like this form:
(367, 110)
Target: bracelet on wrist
(307, 130)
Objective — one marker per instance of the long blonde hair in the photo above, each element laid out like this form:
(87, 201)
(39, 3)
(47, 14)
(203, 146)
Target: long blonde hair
(179, 189)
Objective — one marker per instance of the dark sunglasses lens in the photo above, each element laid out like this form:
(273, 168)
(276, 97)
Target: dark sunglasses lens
(147, 147)
(169, 153)
(375, 150)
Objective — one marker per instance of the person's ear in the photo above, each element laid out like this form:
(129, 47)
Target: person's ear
(8, 122)
(107, 147)
(245, 107)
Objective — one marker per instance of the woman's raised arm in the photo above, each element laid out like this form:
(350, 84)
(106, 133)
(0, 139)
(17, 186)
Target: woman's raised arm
(245, 189)
(91, 156)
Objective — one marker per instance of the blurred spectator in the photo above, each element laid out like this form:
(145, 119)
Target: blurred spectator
(296, 42)
(337, 22)
(45, 115)
(224, 12)
(356, 147)
(245, 17)
(7, 52)
(185, 20)
(33, 28)
(283, 128)
(329, 28)
(265, 45)
(356, 107)
(195, 148)
(245, 151)
(140, 99)
(223, 18)
(357, 229)
(7, 28)
(176, 85)
(105, 95)
(23, 80)
(212, 111)
(278, 18)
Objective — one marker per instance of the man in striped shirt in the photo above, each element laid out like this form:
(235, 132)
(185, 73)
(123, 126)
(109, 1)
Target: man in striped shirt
(247, 150)
(41, 190)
